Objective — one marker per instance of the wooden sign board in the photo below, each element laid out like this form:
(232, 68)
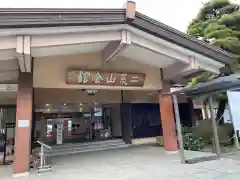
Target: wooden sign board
(93, 77)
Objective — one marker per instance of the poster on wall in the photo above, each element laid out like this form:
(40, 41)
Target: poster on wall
(234, 104)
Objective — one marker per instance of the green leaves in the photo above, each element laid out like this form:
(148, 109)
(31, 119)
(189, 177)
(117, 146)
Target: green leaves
(218, 22)
(203, 77)
(196, 29)
(231, 20)
(212, 9)
(229, 9)
(214, 30)
(231, 44)
(217, 4)
(192, 142)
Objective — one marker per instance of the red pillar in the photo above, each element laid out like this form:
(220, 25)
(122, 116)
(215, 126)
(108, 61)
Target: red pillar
(23, 124)
(167, 118)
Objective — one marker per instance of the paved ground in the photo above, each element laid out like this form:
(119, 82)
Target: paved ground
(135, 163)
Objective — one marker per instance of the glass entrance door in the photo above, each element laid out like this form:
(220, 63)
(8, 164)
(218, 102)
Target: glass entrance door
(55, 130)
(91, 123)
(102, 123)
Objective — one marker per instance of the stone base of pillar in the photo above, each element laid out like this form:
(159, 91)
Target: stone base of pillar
(25, 174)
(171, 152)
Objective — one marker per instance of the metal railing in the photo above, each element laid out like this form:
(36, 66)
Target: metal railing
(43, 166)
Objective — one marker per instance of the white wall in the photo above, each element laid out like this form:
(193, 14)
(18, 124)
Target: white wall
(50, 72)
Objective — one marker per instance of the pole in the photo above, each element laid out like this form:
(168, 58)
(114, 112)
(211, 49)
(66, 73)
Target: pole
(41, 157)
(214, 126)
(234, 129)
(179, 129)
(5, 144)
(122, 118)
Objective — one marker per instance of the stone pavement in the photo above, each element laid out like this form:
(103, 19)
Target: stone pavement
(134, 163)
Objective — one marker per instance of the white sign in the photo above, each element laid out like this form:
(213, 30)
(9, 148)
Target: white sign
(60, 132)
(23, 123)
(173, 89)
(234, 104)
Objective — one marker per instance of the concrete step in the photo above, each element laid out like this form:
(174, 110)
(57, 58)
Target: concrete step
(77, 151)
(70, 148)
(84, 147)
(86, 144)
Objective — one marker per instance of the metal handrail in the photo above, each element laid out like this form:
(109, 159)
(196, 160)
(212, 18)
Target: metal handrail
(42, 144)
(42, 161)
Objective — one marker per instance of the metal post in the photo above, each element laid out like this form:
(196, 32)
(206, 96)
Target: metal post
(41, 160)
(122, 119)
(214, 126)
(235, 132)
(179, 129)
(5, 144)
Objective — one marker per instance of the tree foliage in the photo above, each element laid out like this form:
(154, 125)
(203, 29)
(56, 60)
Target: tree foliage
(218, 23)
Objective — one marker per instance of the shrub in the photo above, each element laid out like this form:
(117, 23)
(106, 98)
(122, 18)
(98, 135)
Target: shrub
(192, 143)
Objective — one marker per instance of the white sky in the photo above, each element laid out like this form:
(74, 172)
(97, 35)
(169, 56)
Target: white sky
(175, 13)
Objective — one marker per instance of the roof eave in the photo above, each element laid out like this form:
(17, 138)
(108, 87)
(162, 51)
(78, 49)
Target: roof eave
(27, 18)
(177, 37)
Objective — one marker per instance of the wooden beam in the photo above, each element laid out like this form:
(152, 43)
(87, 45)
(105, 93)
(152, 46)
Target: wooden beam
(20, 55)
(27, 53)
(23, 51)
(114, 48)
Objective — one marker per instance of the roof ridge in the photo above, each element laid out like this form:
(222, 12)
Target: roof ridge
(58, 10)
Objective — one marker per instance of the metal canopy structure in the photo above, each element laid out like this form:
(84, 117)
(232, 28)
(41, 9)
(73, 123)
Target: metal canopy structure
(221, 84)
(214, 86)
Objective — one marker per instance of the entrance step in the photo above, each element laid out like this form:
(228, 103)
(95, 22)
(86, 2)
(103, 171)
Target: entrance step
(74, 148)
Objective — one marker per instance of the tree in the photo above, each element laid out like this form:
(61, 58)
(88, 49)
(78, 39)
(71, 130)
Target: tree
(218, 23)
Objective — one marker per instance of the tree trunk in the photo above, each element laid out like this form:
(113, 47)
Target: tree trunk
(221, 108)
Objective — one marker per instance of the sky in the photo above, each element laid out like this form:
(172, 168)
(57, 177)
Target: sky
(175, 13)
